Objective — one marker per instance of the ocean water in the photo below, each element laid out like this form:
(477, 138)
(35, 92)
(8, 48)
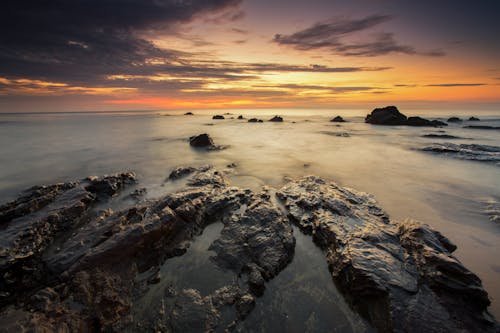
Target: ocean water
(455, 196)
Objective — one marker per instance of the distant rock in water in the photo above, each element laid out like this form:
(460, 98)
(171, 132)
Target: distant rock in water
(189, 114)
(472, 152)
(77, 270)
(441, 136)
(473, 119)
(338, 119)
(255, 120)
(218, 116)
(276, 119)
(482, 127)
(241, 117)
(201, 140)
(454, 120)
(390, 115)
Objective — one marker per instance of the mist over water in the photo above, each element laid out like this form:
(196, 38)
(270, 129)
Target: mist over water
(449, 194)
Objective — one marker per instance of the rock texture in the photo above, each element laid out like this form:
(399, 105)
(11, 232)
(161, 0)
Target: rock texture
(66, 264)
(390, 115)
(402, 277)
(472, 152)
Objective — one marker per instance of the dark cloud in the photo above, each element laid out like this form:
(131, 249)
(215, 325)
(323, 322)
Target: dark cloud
(405, 85)
(333, 35)
(240, 41)
(456, 85)
(331, 89)
(239, 31)
(85, 40)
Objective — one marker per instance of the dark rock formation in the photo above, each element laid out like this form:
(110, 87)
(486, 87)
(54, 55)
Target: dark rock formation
(401, 277)
(483, 127)
(440, 136)
(472, 152)
(240, 117)
(454, 120)
(390, 115)
(66, 267)
(255, 120)
(473, 119)
(338, 119)
(189, 114)
(202, 140)
(276, 119)
(218, 116)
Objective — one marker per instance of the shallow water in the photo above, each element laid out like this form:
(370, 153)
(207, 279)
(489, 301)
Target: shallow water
(450, 194)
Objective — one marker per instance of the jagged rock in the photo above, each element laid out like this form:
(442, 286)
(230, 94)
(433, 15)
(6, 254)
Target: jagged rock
(276, 119)
(454, 120)
(245, 305)
(389, 115)
(255, 120)
(137, 194)
(180, 172)
(201, 140)
(338, 119)
(474, 119)
(219, 117)
(472, 152)
(401, 277)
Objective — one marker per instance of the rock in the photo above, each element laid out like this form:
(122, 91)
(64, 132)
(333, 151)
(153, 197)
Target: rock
(440, 136)
(454, 120)
(240, 117)
(189, 114)
(255, 120)
(472, 152)
(338, 119)
(389, 115)
(232, 165)
(245, 305)
(218, 117)
(473, 119)
(276, 119)
(201, 140)
(137, 194)
(181, 172)
(401, 277)
(483, 127)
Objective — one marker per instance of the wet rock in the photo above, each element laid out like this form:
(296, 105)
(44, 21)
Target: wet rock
(276, 119)
(255, 120)
(483, 127)
(401, 277)
(202, 140)
(232, 165)
(338, 119)
(245, 305)
(189, 114)
(454, 120)
(181, 172)
(388, 115)
(218, 117)
(139, 193)
(108, 186)
(472, 152)
(473, 119)
(440, 136)
(241, 117)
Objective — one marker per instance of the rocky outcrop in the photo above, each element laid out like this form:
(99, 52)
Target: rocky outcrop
(276, 119)
(241, 117)
(189, 114)
(454, 120)
(68, 267)
(472, 152)
(255, 120)
(440, 136)
(401, 277)
(390, 115)
(218, 117)
(338, 119)
(474, 119)
(201, 140)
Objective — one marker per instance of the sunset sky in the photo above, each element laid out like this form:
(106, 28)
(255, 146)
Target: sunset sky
(180, 54)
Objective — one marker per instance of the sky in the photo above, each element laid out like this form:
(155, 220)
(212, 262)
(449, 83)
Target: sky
(99, 55)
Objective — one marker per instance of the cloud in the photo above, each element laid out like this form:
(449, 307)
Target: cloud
(456, 85)
(334, 36)
(239, 31)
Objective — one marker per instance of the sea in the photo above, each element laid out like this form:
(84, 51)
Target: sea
(446, 177)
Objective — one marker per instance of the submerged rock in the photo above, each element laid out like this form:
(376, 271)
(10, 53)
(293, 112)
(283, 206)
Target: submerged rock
(441, 136)
(255, 120)
(204, 141)
(473, 119)
(401, 277)
(240, 117)
(338, 119)
(218, 117)
(473, 152)
(483, 127)
(390, 115)
(189, 114)
(276, 119)
(454, 120)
